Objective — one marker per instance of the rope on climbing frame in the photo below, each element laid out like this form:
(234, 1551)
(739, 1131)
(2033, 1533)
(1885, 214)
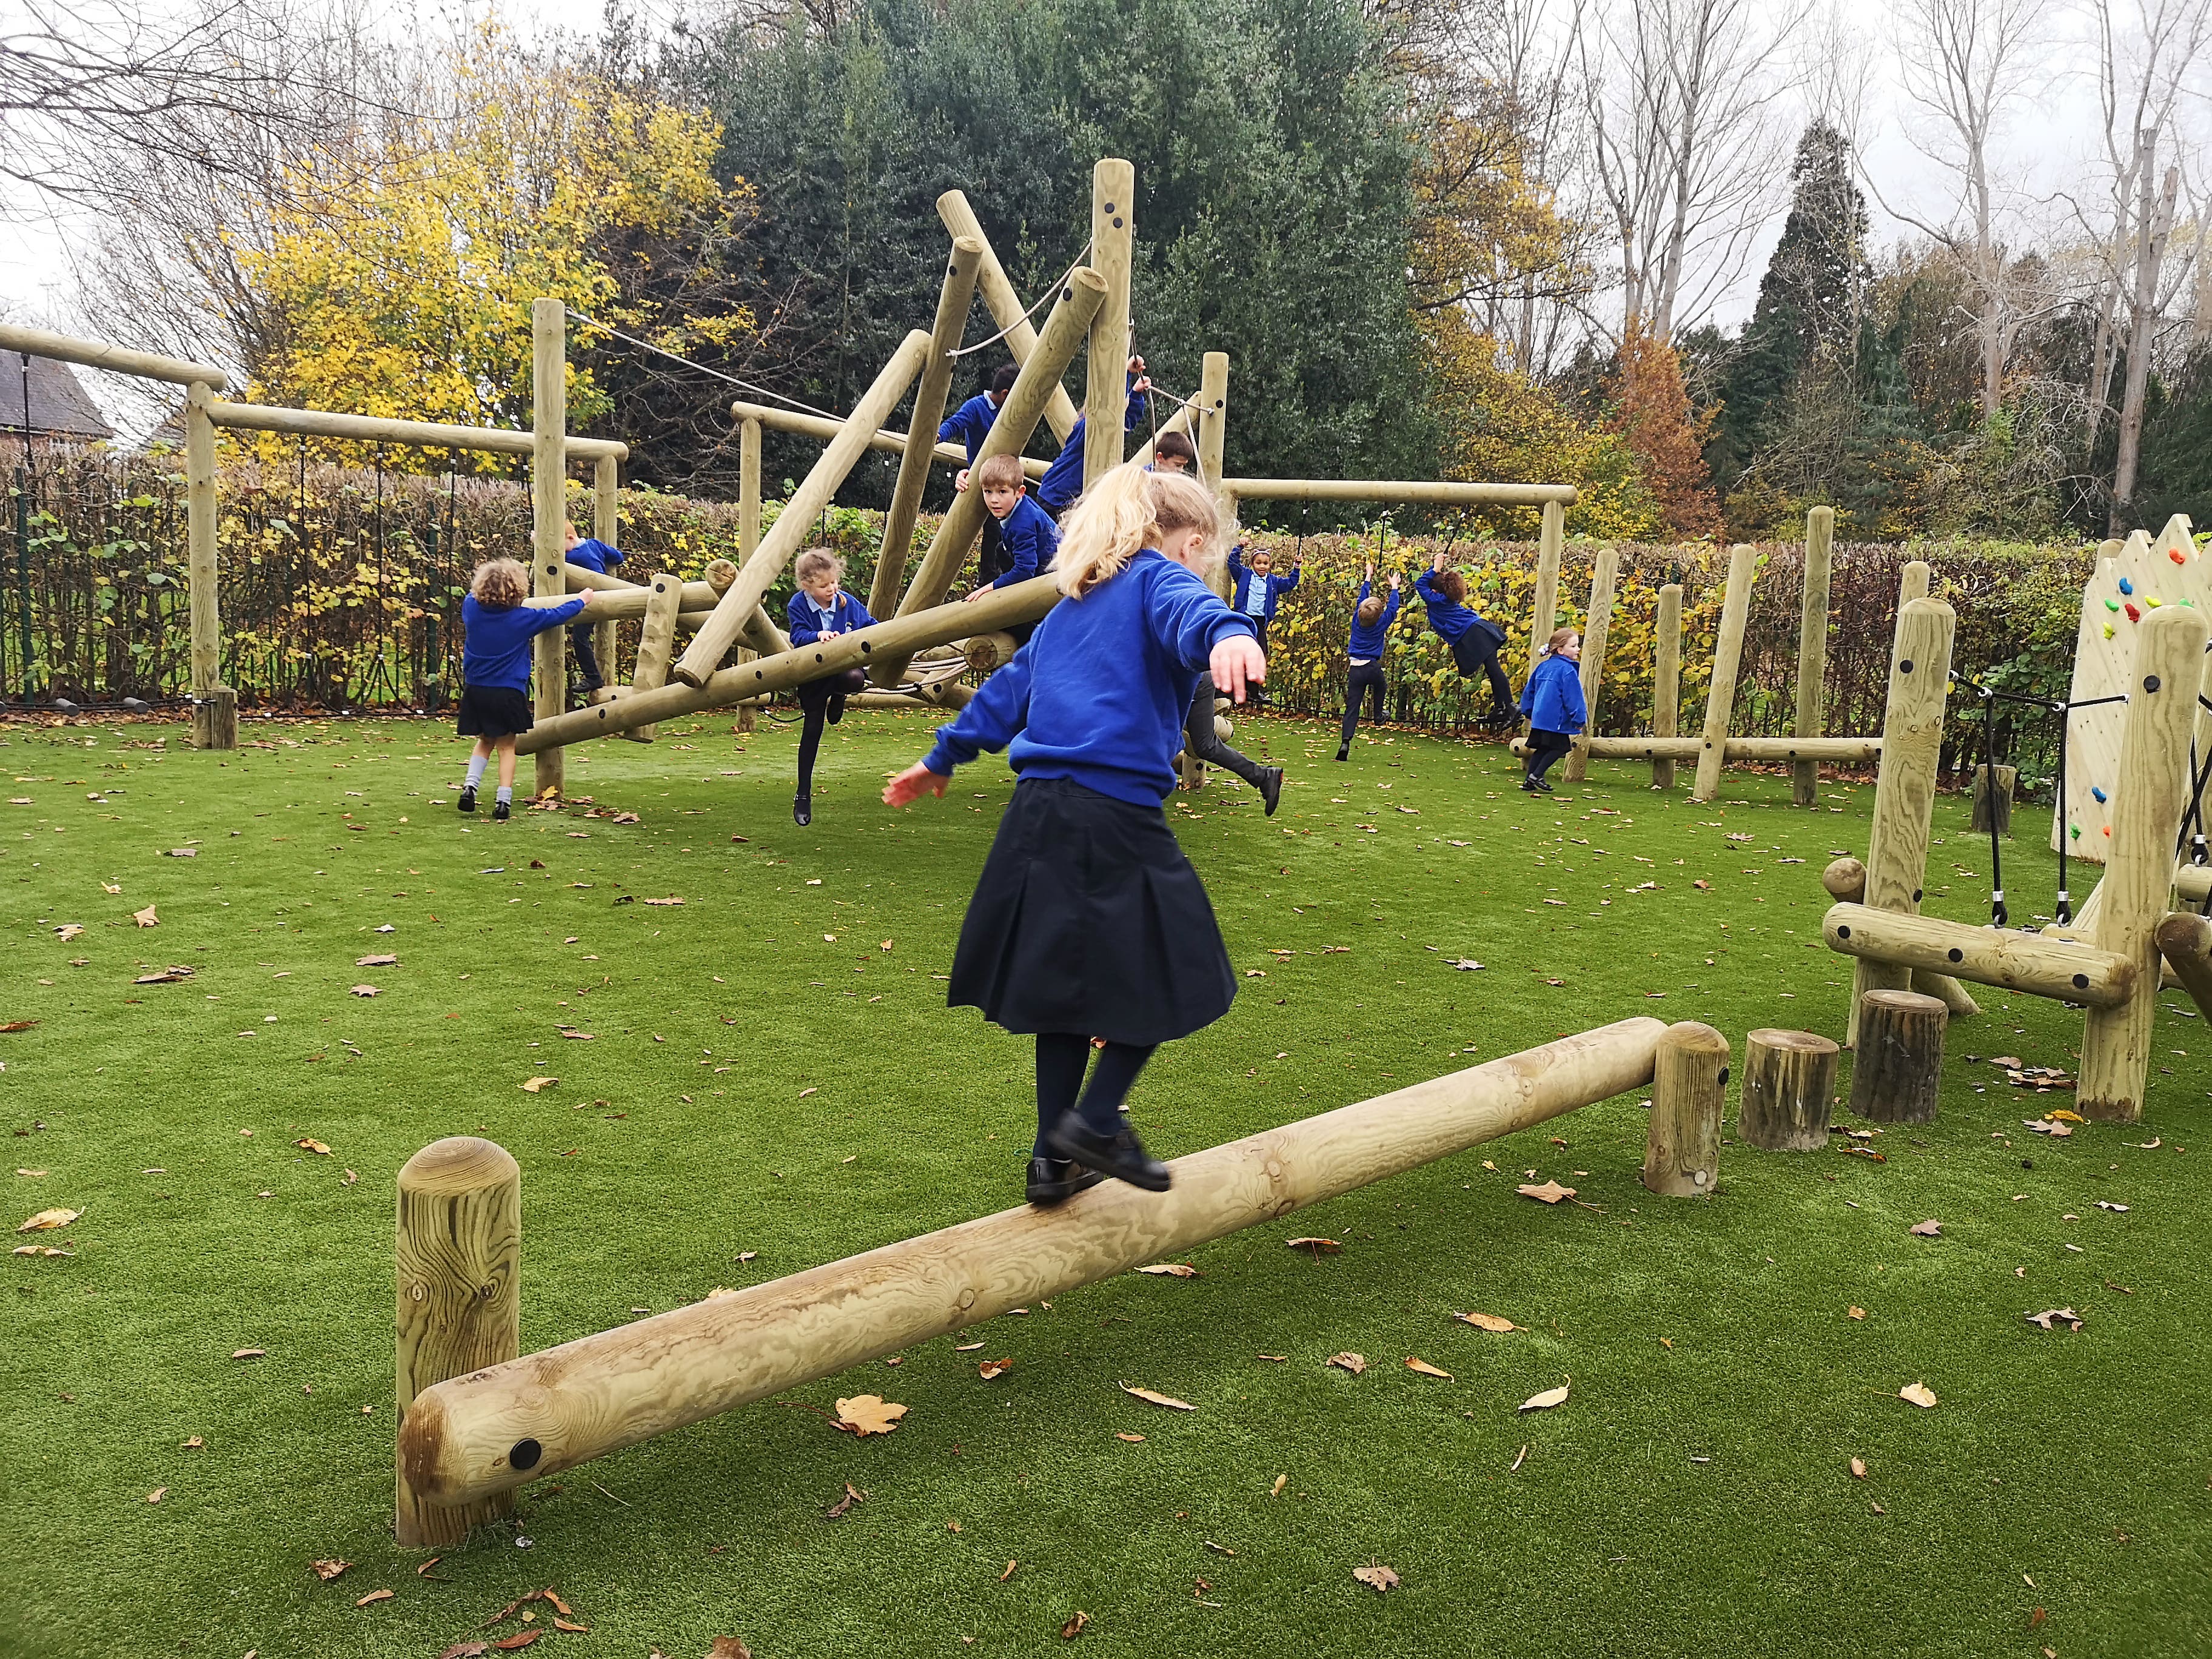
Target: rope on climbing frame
(1074, 265)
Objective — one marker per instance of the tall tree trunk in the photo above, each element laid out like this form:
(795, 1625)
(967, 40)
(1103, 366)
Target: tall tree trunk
(2153, 226)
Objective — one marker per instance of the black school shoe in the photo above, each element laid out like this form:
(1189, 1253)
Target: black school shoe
(802, 810)
(468, 801)
(501, 812)
(1057, 1180)
(1271, 787)
(1123, 1156)
(835, 712)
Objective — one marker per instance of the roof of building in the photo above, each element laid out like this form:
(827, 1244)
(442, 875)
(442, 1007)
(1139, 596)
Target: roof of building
(58, 405)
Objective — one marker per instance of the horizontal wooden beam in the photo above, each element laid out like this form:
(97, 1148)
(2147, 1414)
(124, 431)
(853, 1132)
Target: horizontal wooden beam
(2028, 962)
(379, 429)
(2193, 882)
(508, 1423)
(1738, 750)
(1436, 491)
(117, 360)
(817, 426)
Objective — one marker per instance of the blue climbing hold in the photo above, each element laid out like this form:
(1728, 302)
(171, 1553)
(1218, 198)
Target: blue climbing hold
(2099, 793)
(2126, 586)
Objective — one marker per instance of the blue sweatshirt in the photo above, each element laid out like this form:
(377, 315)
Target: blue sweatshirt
(495, 644)
(1099, 693)
(593, 554)
(1277, 585)
(1063, 480)
(1367, 642)
(846, 614)
(971, 423)
(1553, 699)
(1030, 539)
(1451, 620)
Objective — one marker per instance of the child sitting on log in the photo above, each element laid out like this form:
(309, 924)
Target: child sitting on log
(1028, 538)
(589, 553)
(1473, 639)
(1088, 920)
(1372, 619)
(821, 610)
(1553, 701)
(496, 630)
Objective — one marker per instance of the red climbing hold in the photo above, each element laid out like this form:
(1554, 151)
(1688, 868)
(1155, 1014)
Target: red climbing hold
(2134, 615)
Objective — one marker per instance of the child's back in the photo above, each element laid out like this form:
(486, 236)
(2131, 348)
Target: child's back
(1553, 699)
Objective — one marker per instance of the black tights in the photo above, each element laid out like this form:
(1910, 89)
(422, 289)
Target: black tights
(1545, 747)
(1061, 1059)
(1366, 678)
(1198, 738)
(822, 698)
(588, 660)
(1475, 652)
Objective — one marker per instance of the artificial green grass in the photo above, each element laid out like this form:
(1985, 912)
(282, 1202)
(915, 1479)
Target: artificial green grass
(766, 1076)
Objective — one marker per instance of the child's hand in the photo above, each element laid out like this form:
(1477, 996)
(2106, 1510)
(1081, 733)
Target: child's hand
(960, 479)
(913, 784)
(1394, 581)
(978, 594)
(1237, 661)
(1371, 573)
(586, 597)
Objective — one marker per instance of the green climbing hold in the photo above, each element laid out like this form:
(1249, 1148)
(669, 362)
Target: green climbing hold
(2111, 605)
(2076, 831)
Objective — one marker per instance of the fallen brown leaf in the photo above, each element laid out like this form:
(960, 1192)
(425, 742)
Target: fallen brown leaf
(1134, 1440)
(1550, 1192)
(1154, 1397)
(1011, 1565)
(157, 1494)
(572, 1627)
(376, 962)
(729, 1647)
(1858, 1468)
(46, 1220)
(40, 1249)
(1426, 1368)
(853, 1495)
(314, 1146)
(991, 1368)
(1546, 1401)
(1171, 1269)
(866, 1414)
(1318, 1246)
(521, 1639)
(1281, 1481)
(193, 1444)
(1354, 1363)
(2052, 1318)
(1928, 1229)
(1855, 1313)
(1377, 1578)
(1918, 1393)
(665, 901)
(18, 1025)
(537, 1084)
(146, 918)
(171, 975)
(1483, 1321)
(1074, 1627)
(373, 1595)
(466, 1651)
(249, 1354)
(330, 1569)
(365, 990)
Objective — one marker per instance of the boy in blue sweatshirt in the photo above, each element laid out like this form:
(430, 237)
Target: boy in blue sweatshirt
(1553, 701)
(1473, 639)
(1028, 538)
(1372, 619)
(1063, 480)
(969, 426)
(592, 553)
(497, 627)
(821, 610)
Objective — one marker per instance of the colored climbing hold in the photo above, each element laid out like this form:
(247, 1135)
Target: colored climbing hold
(2134, 615)
(2126, 586)
(2111, 605)
(2174, 553)
(2075, 830)
(2108, 829)
(2154, 602)
(2099, 793)
(2108, 629)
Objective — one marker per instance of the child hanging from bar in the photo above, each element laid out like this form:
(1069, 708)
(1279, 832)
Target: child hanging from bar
(589, 553)
(1473, 639)
(497, 625)
(1088, 920)
(821, 610)
(1063, 480)
(1371, 619)
(1553, 701)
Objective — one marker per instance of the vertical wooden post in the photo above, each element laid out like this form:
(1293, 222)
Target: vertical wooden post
(1913, 585)
(1813, 648)
(1898, 1073)
(749, 488)
(606, 526)
(548, 502)
(215, 705)
(458, 1306)
(1728, 661)
(1212, 443)
(1689, 1087)
(954, 297)
(1602, 580)
(1544, 613)
(1788, 1088)
(1113, 237)
(2147, 804)
(1905, 787)
(1667, 678)
(1007, 307)
(656, 642)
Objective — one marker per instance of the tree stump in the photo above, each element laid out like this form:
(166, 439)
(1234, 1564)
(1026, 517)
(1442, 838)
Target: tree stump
(1993, 803)
(1689, 1086)
(459, 1304)
(214, 719)
(1900, 1056)
(1788, 1086)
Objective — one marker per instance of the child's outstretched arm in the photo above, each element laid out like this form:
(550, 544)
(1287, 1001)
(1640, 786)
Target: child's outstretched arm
(992, 719)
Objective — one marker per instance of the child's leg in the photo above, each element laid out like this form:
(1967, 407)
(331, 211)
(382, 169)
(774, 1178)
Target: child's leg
(1111, 1079)
(1353, 691)
(506, 747)
(850, 683)
(1061, 1057)
(814, 701)
(1199, 738)
(588, 661)
(1501, 689)
(479, 757)
(1544, 748)
(1375, 694)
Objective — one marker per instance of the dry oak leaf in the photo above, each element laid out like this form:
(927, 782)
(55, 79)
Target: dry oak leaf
(1348, 1361)
(173, 975)
(2052, 1318)
(1858, 1468)
(853, 1495)
(1156, 1398)
(146, 918)
(26, 1024)
(572, 1627)
(1918, 1393)
(1426, 1369)
(1171, 1269)
(376, 962)
(194, 1444)
(991, 1368)
(1483, 1321)
(157, 1494)
(314, 1146)
(1378, 1577)
(866, 1414)
(1928, 1229)
(521, 1639)
(1074, 1627)
(329, 1570)
(1855, 1312)
(40, 1250)
(373, 1595)
(67, 931)
(537, 1084)
(46, 1220)
(1318, 1246)
(1546, 1401)
(364, 990)
(729, 1647)
(466, 1651)
(1550, 1192)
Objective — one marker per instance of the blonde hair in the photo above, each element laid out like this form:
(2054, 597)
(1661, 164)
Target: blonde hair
(815, 560)
(500, 584)
(1125, 511)
(1000, 473)
(1371, 610)
(1561, 637)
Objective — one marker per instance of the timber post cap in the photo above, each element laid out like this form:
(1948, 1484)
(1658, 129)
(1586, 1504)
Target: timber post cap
(1811, 1042)
(2185, 935)
(458, 1163)
(1695, 1035)
(1904, 1002)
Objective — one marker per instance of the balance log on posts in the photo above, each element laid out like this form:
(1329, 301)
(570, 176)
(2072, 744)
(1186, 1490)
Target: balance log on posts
(474, 1436)
(1899, 1067)
(1788, 1090)
(1689, 1087)
(1845, 879)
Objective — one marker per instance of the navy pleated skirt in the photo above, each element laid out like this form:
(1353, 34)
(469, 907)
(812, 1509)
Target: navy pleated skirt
(1089, 918)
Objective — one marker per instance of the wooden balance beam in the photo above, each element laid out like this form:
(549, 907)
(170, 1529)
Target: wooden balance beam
(1738, 750)
(468, 1439)
(2015, 962)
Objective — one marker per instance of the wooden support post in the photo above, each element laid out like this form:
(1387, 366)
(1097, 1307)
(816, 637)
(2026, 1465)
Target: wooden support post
(1689, 1088)
(2185, 939)
(606, 526)
(618, 1386)
(656, 643)
(954, 298)
(986, 651)
(549, 510)
(748, 491)
(1603, 576)
(797, 521)
(1788, 1088)
(1544, 611)
(458, 1301)
(1728, 661)
(1905, 788)
(214, 705)
(2146, 810)
(1993, 787)
(1813, 648)
(1900, 1068)
(1007, 307)
(1113, 238)
(1212, 443)
(1667, 679)
(1913, 585)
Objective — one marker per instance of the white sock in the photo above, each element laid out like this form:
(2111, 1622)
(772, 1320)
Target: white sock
(477, 770)
(507, 794)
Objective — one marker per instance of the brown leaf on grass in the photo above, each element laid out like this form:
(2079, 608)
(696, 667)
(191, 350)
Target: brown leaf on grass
(1281, 1481)
(193, 1444)
(991, 1368)
(1318, 1246)
(1546, 1401)
(1377, 1576)
(146, 918)
(249, 1354)
(1354, 1363)
(1928, 1229)
(1426, 1369)
(157, 1494)
(574, 1036)
(729, 1647)
(1134, 1440)
(328, 1569)
(423, 1568)
(1171, 1269)
(521, 1639)
(2051, 1319)
(376, 962)
(67, 931)
(572, 1627)
(365, 990)
(1009, 1572)
(1154, 1397)
(174, 974)
(1858, 1468)
(1918, 1393)
(18, 1025)
(373, 1597)
(866, 1414)
(46, 1220)
(314, 1146)
(1483, 1321)
(1074, 1627)
(466, 1651)
(1855, 1313)
(40, 1249)
(1550, 1192)
(665, 903)
(853, 1495)
(537, 1084)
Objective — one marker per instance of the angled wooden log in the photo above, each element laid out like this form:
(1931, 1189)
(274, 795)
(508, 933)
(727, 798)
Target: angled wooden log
(2184, 940)
(1005, 306)
(2027, 962)
(1845, 879)
(1788, 1091)
(1112, 247)
(549, 514)
(1603, 575)
(884, 439)
(954, 296)
(492, 1431)
(1898, 1074)
(713, 641)
(419, 434)
(1728, 661)
(115, 359)
(1813, 648)
(1689, 1090)
(1667, 680)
